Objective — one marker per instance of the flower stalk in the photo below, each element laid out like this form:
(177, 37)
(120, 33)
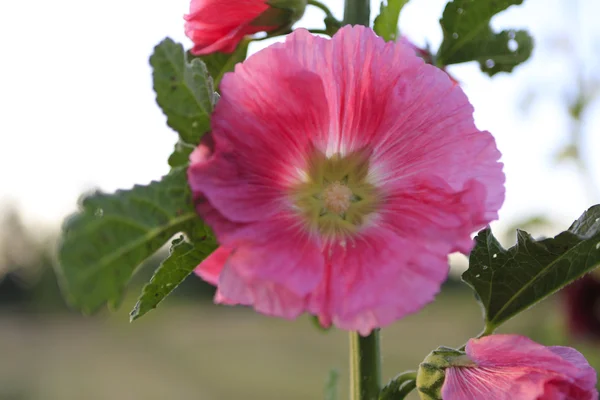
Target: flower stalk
(365, 366)
(357, 12)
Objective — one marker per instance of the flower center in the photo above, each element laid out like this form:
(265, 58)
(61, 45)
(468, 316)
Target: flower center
(337, 197)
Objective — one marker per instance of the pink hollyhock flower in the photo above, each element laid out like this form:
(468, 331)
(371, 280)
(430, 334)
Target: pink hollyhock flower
(339, 175)
(512, 367)
(219, 25)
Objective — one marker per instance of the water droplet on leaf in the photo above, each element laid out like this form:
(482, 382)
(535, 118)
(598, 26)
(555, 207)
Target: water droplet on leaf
(460, 10)
(485, 267)
(490, 63)
(455, 35)
(99, 212)
(495, 256)
(513, 45)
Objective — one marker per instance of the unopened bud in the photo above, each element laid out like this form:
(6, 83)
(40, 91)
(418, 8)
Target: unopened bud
(432, 371)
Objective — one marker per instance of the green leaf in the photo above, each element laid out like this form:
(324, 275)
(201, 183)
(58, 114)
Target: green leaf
(111, 235)
(184, 90)
(181, 155)
(220, 63)
(183, 258)
(509, 281)
(331, 386)
(469, 37)
(386, 23)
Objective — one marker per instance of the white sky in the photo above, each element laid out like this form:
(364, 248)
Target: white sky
(77, 109)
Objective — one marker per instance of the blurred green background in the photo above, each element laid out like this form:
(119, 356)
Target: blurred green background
(191, 349)
(82, 120)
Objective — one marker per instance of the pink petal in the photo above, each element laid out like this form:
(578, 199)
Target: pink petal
(296, 263)
(366, 288)
(247, 176)
(266, 297)
(491, 384)
(513, 367)
(218, 25)
(211, 267)
(586, 375)
(515, 351)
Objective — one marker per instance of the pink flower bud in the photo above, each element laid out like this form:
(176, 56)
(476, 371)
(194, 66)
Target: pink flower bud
(513, 367)
(219, 25)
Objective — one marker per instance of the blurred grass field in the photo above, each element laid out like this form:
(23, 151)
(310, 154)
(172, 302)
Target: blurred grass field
(185, 351)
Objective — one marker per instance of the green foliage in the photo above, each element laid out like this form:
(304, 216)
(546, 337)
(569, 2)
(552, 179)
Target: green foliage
(181, 155)
(111, 235)
(331, 386)
(386, 23)
(220, 63)
(184, 90)
(509, 281)
(399, 386)
(469, 37)
(183, 258)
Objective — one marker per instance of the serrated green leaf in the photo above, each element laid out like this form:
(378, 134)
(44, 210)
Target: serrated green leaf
(469, 37)
(386, 23)
(220, 63)
(331, 386)
(509, 281)
(183, 258)
(181, 155)
(111, 235)
(184, 90)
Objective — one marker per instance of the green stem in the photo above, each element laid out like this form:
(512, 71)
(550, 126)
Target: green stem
(365, 366)
(400, 386)
(405, 390)
(322, 7)
(319, 31)
(357, 12)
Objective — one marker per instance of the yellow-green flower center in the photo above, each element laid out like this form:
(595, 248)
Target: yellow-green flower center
(335, 196)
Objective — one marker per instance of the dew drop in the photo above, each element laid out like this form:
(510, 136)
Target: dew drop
(460, 10)
(195, 124)
(168, 284)
(598, 246)
(455, 35)
(513, 45)
(597, 219)
(511, 35)
(485, 267)
(99, 212)
(477, 276)
(495, 256)
(490, 63)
